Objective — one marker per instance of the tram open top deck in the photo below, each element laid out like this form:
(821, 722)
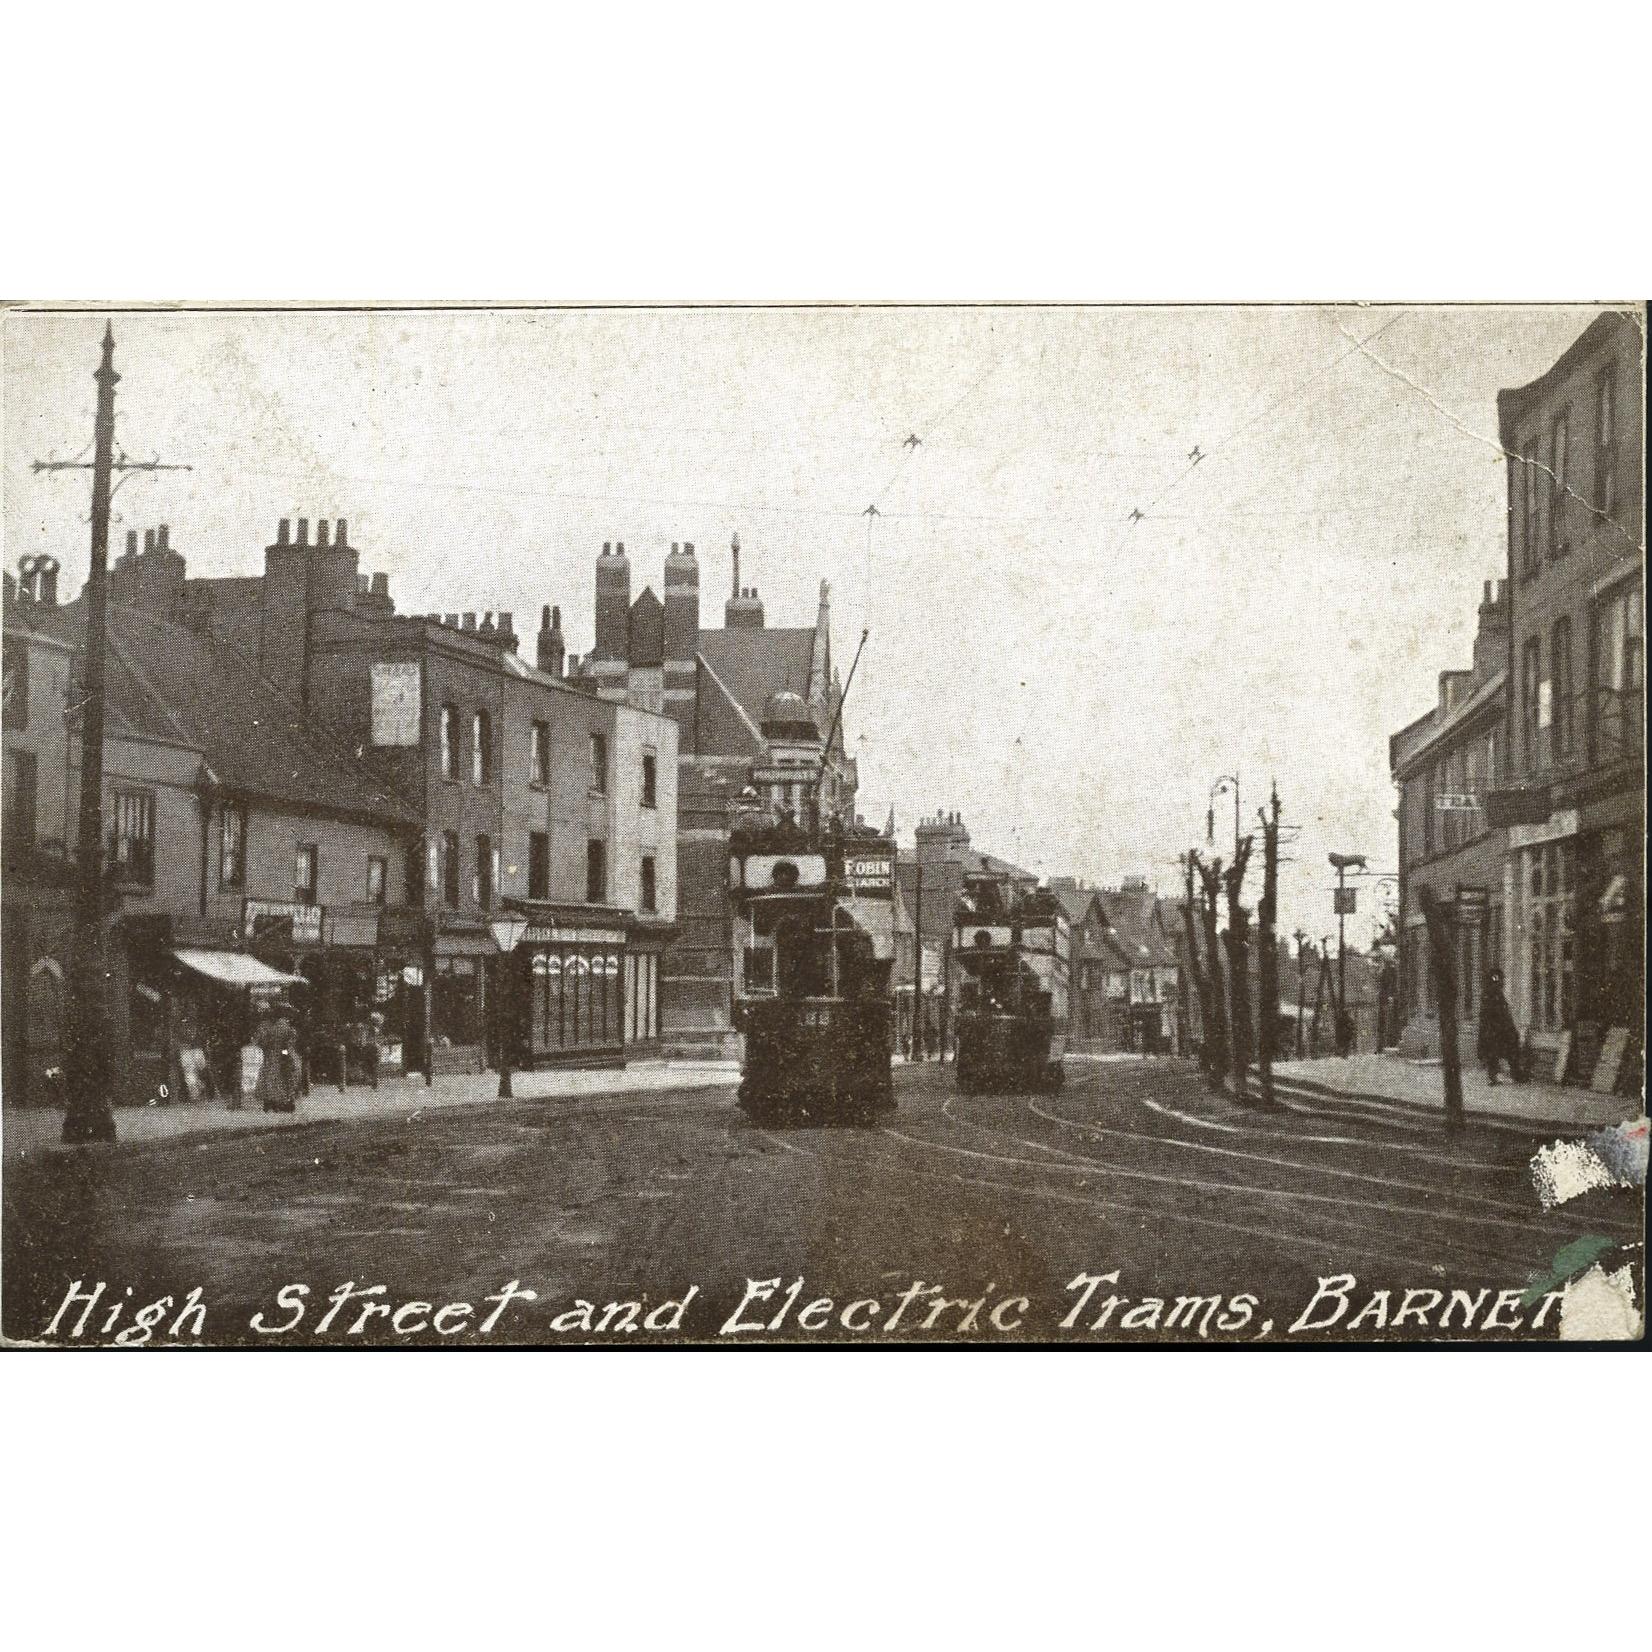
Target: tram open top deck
(816, 911)
(1012, 956)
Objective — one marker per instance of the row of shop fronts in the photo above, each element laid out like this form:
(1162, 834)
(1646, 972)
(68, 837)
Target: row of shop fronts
(375, 993)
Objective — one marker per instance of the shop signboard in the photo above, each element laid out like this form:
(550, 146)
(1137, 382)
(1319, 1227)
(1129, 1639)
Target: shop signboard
(1343, 903)
(284, 919)
(871, 872)
(1471, 903)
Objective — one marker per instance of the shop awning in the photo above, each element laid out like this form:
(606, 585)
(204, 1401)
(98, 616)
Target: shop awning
(877, 918)
(234, 969)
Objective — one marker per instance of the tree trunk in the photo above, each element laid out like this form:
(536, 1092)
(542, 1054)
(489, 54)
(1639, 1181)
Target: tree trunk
(1269, 954)
(1201, 983)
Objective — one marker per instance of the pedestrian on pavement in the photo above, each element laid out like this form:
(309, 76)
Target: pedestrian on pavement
(277, 1038)
(1499, 1040)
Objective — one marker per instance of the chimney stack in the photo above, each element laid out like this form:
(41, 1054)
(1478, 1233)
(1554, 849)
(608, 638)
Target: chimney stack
(613, 607)
(380, 582)
(549, 652)
(148, 540)
(283, 531)
(131, 542)
(338, 535)
(163, 536)
(304, 530)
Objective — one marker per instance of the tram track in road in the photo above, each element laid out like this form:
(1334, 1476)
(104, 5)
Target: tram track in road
(1486, 1267)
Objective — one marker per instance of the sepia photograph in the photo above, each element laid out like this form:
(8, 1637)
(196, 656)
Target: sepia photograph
(823, 825)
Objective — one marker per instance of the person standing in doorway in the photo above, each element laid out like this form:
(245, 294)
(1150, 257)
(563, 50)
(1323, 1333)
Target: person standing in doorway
(1499, 1041)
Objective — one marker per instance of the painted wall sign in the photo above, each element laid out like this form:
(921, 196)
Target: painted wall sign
(395, 703)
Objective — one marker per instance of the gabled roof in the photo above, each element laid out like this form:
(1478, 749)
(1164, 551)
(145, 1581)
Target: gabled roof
(167, 683)
(1138, 928)
(750, 665)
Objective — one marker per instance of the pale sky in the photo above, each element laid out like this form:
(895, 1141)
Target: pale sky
(1069, 680)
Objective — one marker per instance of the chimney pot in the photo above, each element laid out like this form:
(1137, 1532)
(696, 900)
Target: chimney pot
(619, 548)
(148, 540)
(607, 547)
(470, 620)
(675, 547)
(131, 541)
(505, 626)
(282, 531)
(556, 619)
(303, 530)
(451, 619)
(381, 582)
(321, 533)
(688, 547)
(545, 617)
(163, 537)
(338, 531)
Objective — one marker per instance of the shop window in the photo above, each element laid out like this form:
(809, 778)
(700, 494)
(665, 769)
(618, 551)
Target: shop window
(596, 871)
(132, 837)
(1606, 443)
(17, 686)
(378, 870)
(649, 781)
(1559, 514)
(1550, 877)
(232, 846)
(1560, 692)
(481, 877)
(450, 742)
(649, 898)
(20, 807)
(539, 866)
(599, 762)
(539, 755)
(306, 874)
(481, 748)
(449, 867)
(1616, 682)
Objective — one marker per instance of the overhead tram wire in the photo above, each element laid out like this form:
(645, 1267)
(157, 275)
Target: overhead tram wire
(1200, 454)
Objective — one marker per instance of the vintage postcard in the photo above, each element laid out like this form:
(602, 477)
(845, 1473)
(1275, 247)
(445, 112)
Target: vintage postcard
(809, 825)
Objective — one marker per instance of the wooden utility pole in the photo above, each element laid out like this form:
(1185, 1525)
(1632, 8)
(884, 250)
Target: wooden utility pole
(1216, 1031)
(88, 1073)
(918, 962)
(1268, 957)
(1239, 1016)
(1442, 963)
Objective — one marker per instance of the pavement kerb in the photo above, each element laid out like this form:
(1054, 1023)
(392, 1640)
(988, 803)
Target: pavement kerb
(1518, 1125)
(284, 1124)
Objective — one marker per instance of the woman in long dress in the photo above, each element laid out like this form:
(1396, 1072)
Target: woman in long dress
(277, 1038)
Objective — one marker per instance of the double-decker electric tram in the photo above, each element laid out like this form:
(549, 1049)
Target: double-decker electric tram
(1011, 954)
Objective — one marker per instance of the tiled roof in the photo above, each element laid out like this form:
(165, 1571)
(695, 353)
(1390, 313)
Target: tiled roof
(1134, 914)
(167, 683)
(754, 664)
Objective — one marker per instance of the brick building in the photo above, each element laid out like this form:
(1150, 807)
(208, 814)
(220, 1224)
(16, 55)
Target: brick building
(1574, 797)
(1443, 765)
(244, 852)
(532, 796)
(719, 687)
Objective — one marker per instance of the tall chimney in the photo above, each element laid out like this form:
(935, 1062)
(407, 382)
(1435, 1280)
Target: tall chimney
(682, 632)
(613, 606)
(549, 652)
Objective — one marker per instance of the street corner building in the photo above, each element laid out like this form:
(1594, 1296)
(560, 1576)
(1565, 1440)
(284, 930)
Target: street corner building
(1522, 793)
(754, 709)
